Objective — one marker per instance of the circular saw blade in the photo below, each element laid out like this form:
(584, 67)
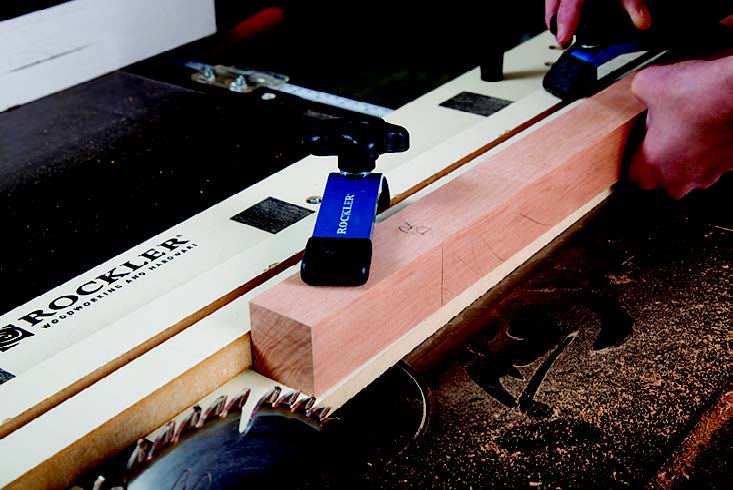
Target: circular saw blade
(287, 438)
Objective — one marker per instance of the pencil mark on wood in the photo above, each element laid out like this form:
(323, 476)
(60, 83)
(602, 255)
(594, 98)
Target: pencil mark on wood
(492, 250)
(473, 251)
(409, 229)
(468, 266)
(533, 220)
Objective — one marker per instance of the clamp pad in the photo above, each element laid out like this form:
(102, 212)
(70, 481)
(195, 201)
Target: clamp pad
(336, 261)
(340, 251)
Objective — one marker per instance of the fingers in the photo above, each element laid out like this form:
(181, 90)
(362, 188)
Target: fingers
(647, 176)
(687, 144)
(568, 16)
(654, 167)
(645, 170)
(650, 84)
(639, 86)
(550, 10)
(639, 13)
(641, 173)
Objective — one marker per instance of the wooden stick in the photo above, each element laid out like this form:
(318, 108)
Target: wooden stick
(313, 338)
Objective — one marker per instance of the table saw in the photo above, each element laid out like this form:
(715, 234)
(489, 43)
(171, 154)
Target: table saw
(145, 210)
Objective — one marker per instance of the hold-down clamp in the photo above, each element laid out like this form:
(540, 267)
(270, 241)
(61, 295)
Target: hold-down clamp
(340, 251)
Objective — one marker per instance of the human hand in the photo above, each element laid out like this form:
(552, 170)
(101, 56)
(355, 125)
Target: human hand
(568, 15)
(689, 126)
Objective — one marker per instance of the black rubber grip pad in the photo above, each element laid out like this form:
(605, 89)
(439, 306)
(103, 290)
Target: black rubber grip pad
(571, 78)
(332, 261)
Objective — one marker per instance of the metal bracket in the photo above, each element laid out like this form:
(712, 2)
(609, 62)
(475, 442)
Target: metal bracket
(236, 80)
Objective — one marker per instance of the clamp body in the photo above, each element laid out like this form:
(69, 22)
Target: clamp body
(340, 251)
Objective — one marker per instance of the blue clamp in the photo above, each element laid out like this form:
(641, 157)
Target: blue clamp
(340, 251)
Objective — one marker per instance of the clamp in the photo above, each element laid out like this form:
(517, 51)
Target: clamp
(607, 43)
(340, 251)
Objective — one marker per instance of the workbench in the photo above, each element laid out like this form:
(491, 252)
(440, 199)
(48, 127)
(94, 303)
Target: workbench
(601, 362)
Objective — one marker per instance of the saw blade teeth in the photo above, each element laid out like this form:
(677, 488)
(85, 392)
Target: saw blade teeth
(319, 413)
(272, 396)
(189, 422)
(139, 454)
(243, 397)
(304, 404)
(99, 483)
(146, 450)
(237, 402)
(163, 439)
(266, 400)
(197, 417)
(287, 400)
(215, 409)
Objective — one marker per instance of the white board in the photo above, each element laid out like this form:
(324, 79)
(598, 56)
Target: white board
(49, 50)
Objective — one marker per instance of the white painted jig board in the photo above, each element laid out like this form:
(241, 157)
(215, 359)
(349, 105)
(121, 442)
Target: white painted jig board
(49, 50)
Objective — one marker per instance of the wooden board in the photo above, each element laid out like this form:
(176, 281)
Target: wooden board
(424, 256)
(227, 259)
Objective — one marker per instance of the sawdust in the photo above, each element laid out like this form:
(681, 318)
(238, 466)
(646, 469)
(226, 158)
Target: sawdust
(615, 413)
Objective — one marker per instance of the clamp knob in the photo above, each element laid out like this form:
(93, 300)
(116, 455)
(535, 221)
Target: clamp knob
(358, 143)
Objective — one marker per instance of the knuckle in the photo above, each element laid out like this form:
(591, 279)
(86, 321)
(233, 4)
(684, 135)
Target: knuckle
(641, 82)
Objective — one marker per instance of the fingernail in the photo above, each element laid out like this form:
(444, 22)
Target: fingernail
(641, 17)
(562, 36)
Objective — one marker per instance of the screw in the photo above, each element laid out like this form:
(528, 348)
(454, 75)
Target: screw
(314, 200)
(239, 84)
(209, 74)
(268, 96)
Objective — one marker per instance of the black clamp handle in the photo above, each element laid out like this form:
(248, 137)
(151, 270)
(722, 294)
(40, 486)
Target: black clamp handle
(358, 143)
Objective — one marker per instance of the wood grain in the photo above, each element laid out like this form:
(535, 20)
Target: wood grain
(431, 251)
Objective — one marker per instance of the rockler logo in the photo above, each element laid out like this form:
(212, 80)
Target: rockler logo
(89, 292)
(345, 214)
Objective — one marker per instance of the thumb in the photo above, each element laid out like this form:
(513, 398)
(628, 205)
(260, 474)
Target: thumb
(642, 173)
(639, 13)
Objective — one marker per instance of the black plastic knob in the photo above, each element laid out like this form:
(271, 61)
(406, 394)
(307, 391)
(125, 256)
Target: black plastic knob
(358, 143)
